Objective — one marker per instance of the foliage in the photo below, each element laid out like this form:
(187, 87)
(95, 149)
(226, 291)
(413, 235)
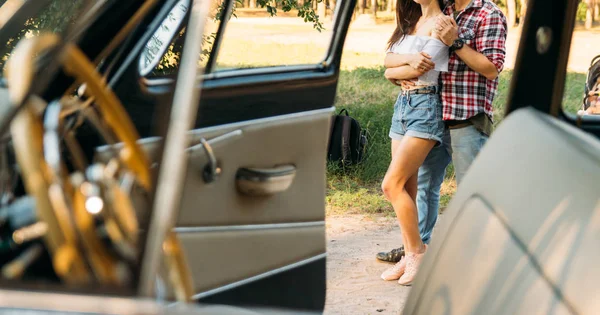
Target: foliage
(55, 18)
(170, 61)
(581, 11)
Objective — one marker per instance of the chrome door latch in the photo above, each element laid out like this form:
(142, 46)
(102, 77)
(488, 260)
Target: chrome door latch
(211, 171)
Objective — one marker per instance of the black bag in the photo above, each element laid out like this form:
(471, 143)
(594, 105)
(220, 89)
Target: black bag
(347, 141)
(591, 82)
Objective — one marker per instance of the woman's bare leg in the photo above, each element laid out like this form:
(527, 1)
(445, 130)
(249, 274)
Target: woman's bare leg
(412, 189)
(399, 187)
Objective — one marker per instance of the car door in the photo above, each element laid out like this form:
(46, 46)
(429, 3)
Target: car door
(527, 231)
(252, 216)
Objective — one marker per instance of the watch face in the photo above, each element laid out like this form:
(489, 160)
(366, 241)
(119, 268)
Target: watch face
(458, 43)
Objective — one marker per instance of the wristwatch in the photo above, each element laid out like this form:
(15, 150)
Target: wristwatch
(457, 44)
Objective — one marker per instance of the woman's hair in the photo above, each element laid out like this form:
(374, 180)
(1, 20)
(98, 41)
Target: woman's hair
(408, 13)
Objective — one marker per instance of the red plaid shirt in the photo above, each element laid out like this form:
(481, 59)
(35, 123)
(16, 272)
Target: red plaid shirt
(466, 93)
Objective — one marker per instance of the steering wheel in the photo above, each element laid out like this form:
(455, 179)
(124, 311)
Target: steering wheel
(90, 225)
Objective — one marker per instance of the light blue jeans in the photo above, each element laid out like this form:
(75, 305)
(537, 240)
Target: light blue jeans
(460, 146)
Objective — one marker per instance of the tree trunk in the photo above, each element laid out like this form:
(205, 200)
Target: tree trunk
(332, 5)
(252, 4)
(390, 5)
(523, 11)
(361, 6)
(596, 10)
(512, 12)
(374, 8)
(321, 9)
(589, 14)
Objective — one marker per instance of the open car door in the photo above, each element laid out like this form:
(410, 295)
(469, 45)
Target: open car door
(528, 231)
(253, 205)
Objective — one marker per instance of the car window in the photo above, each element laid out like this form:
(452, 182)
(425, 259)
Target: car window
(251, 38)
(56, 17)
(582, 84)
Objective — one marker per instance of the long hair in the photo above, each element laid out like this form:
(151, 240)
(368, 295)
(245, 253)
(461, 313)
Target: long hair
(408, 13)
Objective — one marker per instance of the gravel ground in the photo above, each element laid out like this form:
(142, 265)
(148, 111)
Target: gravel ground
(354, 285)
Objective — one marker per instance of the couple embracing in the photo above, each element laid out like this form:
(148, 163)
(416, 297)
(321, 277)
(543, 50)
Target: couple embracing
(446, 56)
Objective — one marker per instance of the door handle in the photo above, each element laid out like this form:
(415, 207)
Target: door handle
(265, 181)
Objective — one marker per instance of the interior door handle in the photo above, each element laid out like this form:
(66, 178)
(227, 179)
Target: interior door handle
(265, 181)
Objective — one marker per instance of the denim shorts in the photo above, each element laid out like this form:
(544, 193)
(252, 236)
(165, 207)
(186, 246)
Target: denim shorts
(419, 116)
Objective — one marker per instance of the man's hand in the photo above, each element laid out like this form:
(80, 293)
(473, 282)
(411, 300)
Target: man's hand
(422, 62)
(396, 82)
(447, 29)
(407, 84)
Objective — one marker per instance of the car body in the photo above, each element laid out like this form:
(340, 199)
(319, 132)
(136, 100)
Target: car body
(243, 188)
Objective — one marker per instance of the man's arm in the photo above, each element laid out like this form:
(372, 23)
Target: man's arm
(420, 61)
(402, 73)
(488, 59)
(478, 62)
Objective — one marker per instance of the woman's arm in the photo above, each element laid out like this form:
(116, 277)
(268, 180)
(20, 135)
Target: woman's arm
(417, 61)
(402, 73)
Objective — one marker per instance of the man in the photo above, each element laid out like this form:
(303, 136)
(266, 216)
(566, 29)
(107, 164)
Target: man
(475, 30)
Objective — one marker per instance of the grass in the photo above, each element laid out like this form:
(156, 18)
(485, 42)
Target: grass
(370, 99)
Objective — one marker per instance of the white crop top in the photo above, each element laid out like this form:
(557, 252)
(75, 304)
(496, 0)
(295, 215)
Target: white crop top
(439, 52)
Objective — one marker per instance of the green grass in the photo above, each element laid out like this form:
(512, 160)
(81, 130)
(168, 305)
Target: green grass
(370, 99)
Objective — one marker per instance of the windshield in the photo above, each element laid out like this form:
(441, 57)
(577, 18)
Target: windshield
(53, 16)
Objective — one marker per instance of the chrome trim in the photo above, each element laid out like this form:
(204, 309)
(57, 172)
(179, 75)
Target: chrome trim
(230, 73)
(212, 141)
(229, 135)
(265, 182)
(247, 227)
(238, 73)
(259, 277)
(183, 113)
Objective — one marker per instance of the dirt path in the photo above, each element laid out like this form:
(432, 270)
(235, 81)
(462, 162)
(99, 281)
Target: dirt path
(354, 285)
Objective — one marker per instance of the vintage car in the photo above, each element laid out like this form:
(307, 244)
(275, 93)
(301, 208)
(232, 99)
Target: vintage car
(125, 190)
(100, 215)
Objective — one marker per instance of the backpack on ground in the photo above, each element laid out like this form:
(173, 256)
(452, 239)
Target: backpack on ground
(347, 140)
(592, 82)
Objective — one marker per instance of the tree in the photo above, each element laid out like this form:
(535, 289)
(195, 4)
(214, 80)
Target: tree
(361, 6)
(512, 12)
(523, 11)
(374, 8)
(55, 18)
(589, 14)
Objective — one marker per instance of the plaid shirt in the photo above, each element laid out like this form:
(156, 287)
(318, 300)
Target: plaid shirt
(466, 93)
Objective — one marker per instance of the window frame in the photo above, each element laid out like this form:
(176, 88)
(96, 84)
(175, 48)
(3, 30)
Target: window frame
(211, 74)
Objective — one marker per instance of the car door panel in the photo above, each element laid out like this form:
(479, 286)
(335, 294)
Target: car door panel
(252, 249)
(289, 140)
(551, 212)
(233, 255)
(237, 96)
(503, 280)
(237, 238)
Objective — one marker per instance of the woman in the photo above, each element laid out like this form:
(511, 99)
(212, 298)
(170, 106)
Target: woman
(415, 52)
